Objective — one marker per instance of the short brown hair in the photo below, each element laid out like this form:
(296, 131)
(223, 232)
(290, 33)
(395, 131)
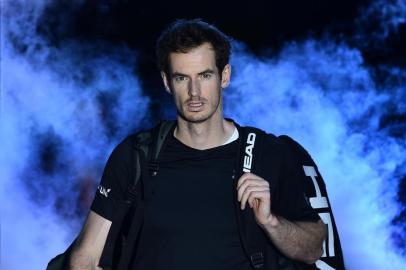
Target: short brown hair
(184, 35)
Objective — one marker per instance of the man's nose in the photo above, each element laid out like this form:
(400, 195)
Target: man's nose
(194, 88)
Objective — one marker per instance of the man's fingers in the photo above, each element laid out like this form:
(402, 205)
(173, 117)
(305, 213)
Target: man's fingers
(245, 177)
(250, 193)
(260, 194)
(257, 196)
(250, 182)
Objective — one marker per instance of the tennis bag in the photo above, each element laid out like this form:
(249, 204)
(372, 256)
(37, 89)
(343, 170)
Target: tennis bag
(265, 256)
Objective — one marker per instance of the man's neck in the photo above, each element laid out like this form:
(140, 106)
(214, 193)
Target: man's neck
(203, 135)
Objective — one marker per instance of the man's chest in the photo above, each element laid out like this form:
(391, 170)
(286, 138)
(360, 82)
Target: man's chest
(191, 194)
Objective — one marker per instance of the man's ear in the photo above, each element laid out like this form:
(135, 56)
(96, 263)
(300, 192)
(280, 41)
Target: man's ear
(166, 82)
(225, 76)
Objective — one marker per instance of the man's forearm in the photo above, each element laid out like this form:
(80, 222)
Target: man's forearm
(301, 241)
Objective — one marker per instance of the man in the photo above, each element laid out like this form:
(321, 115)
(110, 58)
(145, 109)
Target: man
(190, 221)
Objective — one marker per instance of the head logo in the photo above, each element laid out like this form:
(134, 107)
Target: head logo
(248, 152)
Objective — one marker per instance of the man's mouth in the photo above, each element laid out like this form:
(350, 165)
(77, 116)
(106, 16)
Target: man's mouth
(195, 105)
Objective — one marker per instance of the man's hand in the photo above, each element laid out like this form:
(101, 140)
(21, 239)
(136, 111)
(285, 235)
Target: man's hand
(254, 190)
(301, 241)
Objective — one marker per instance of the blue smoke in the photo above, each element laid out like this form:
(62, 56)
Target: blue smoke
(64, 108)
(378, 21)
(62, 111)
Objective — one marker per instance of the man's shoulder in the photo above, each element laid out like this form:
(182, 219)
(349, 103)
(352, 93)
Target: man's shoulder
(124, 148)
(144, 137)
(132, 141)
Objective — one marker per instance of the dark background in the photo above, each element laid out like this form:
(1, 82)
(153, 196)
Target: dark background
(264, 26)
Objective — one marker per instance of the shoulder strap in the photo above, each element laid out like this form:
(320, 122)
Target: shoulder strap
(252, 237)
(159, 134)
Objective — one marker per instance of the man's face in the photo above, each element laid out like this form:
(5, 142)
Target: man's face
(196, 84)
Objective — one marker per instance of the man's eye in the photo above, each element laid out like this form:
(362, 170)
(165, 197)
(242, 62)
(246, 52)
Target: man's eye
(180, 78)
(206, 75)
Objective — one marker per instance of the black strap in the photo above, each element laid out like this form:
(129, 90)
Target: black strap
(158, 137)
(137, 222)
(252, 237)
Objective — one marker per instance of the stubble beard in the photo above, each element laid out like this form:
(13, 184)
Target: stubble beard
(204, 115)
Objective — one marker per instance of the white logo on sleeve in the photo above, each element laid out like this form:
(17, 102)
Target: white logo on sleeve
(104, 191)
